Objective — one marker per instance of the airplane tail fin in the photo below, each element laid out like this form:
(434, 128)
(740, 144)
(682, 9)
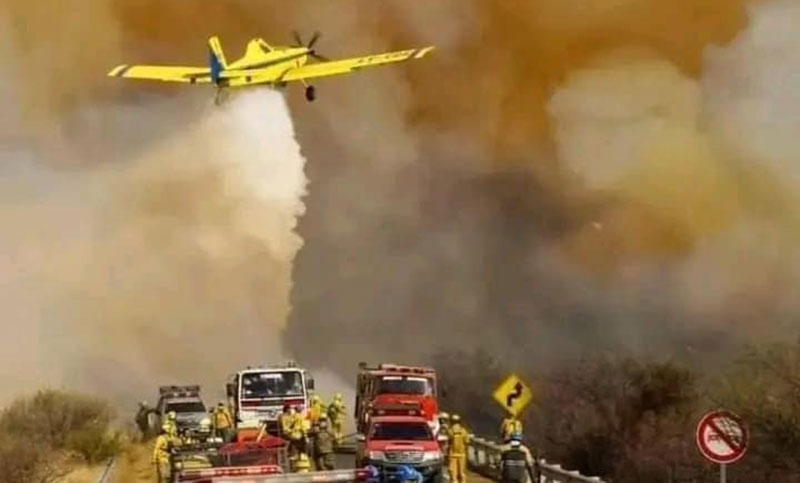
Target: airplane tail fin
(216, 59)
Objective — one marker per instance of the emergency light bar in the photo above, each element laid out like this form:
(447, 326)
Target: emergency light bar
(180, 391)
(191, 475)
(333, 476)
(398, 368)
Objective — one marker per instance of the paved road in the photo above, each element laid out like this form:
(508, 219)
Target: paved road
(348, 461)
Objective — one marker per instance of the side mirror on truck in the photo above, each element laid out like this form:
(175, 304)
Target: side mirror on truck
(310, 384)
(230, 389)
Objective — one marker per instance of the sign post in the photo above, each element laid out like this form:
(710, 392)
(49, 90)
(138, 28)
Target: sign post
(722, 438)
(513, 395)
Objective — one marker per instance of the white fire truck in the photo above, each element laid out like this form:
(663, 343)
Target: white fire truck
(258, 394)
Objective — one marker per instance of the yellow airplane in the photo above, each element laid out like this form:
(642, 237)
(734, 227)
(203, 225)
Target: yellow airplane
(263, 64)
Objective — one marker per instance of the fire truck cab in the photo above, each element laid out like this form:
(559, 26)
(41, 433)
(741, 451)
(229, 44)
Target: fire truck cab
(395, 390)
(258, 394)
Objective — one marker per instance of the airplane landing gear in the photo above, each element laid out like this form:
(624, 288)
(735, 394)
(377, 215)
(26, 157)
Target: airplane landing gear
(311, 93)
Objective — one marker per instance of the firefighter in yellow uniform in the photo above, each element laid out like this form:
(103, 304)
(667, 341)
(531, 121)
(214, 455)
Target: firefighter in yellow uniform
(223, 423)
(285, 421)
(292, 428)
(458, 438)
(171, 424)
(336, 411)
(510, 427)
(301, 427)
(315, 410)
(161, 454)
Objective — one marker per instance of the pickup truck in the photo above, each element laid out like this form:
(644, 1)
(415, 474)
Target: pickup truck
(187, 404)
(394, 441)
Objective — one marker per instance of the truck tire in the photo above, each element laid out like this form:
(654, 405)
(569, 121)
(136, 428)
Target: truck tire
(437, 477)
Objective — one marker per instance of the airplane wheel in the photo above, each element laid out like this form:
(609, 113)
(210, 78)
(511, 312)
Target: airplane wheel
(311, 93)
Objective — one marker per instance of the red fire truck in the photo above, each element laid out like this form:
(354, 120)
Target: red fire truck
(395, 390)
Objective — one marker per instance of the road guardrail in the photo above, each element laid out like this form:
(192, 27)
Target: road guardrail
(483, 457)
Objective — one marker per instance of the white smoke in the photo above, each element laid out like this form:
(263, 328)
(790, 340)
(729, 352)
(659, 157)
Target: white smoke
(171, 265)
(752, 94)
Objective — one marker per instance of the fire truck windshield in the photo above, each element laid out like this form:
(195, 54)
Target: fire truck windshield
(401, 431)
(258, 385)
(405, 385)
(186, 407)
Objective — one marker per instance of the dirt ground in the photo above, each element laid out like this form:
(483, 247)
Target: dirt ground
(84, 475)
(134, 466)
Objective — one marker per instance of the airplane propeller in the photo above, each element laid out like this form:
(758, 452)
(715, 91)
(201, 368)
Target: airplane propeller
(310, 45)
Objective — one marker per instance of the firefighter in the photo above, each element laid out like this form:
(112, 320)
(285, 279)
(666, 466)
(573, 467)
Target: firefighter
(301, 428)
(161, 454)
(444, 422)
(292, 429)
(223, 422)
(444, 428)
(315, 410)
(172, 424)
(324, 440)
(336, 412)
(516, 463)
(509, 427)
(285, 421)
(458, 437)
(143, 419)
(302, 464)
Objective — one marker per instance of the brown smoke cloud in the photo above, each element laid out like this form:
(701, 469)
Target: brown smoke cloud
(573, 190)
(561, 175)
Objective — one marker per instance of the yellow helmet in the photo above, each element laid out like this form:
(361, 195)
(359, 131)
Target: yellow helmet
(455, 418)
(315, 398)
(338, 396)
(172, 415)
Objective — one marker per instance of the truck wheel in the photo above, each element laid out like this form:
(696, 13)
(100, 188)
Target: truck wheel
(436, 477)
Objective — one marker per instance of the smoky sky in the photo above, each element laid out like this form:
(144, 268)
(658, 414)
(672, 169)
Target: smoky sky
(558, 177)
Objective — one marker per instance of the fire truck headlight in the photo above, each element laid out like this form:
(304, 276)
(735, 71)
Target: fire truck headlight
(432, 456)
(377, 455)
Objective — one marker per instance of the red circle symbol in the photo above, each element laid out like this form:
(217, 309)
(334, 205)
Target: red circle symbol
(722, 437)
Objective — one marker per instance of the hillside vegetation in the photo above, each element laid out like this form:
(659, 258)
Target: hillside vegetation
(45, 436)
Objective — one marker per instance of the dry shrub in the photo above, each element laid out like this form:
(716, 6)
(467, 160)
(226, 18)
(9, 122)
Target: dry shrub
(42, 436)
(632, 421)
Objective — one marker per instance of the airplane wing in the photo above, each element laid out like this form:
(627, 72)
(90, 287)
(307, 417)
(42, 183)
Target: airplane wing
(346, 66)
(320, 69)
(165, 73)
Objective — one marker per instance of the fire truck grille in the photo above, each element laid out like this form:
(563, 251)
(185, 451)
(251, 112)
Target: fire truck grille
(404, 456)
